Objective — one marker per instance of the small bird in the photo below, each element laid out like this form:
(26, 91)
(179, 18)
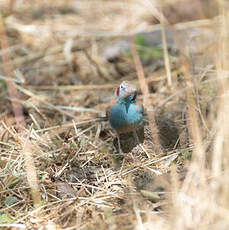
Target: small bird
(125, 115)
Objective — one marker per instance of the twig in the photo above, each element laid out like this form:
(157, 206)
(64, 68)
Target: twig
(96, 65)
(17, 109)
(92, 87)
(193, 124)
(192, 121)
(220, 158)
(163, 21)
(166, 55)
(20, 122)
(31, 170)
(17, 62)
(146, 100)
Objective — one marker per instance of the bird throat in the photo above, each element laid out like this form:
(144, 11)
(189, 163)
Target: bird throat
(127, 105)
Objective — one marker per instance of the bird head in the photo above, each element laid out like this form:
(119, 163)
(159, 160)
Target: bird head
(126, 93)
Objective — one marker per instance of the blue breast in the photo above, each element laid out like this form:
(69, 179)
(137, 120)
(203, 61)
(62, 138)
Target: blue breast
(122, 115)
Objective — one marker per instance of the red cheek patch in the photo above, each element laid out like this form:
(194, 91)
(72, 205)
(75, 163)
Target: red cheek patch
(134, 97)
(118, 91)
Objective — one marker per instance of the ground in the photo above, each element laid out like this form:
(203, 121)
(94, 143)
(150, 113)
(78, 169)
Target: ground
(65, 63)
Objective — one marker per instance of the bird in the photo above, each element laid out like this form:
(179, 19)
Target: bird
(125, 116)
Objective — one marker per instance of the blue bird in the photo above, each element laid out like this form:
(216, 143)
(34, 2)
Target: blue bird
(125, 115)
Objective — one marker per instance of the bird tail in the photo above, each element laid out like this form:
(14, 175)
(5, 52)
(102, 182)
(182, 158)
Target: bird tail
(102, 118)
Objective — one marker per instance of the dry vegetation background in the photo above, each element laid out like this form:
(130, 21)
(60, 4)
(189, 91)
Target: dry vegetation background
(60, 61)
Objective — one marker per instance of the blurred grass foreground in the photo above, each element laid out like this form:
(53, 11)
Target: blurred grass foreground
(60, 62)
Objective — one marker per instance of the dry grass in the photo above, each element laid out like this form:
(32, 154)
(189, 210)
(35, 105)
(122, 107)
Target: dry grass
(58, 167)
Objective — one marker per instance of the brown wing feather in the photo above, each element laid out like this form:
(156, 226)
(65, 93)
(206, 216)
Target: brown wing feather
(108, 113)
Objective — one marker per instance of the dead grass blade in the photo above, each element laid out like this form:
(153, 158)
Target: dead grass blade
(20, 122)
(146, 99)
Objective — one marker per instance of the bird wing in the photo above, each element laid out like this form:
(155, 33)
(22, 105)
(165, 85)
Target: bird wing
(106, 117)
(108, 113)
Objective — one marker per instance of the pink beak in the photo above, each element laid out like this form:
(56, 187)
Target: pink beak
(128, 91)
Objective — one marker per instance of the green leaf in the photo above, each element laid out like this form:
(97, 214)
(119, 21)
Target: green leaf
(155, 52)
(5, 219)
(187, 155)
(117, 157)
(172, 58)
(79, 144)
(12, 183)
(140, 41)
(10, 200)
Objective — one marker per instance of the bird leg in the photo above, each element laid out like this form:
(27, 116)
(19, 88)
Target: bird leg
(119, 145)
(136, 137)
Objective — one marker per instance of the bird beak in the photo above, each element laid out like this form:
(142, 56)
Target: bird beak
(128, 91)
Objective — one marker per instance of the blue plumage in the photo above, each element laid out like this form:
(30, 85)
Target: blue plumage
(125, 115)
